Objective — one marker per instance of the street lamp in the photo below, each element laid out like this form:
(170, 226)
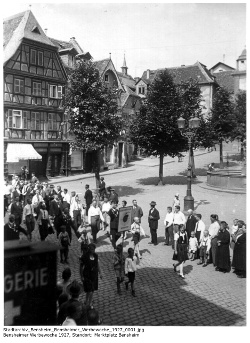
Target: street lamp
(189, 133)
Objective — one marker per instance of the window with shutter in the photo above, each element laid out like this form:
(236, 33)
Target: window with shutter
(10, 120)
(25, 126)
(59, 92)
(32, 56)
(40, 58)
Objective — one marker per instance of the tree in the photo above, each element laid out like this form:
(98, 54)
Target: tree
(155, 128)
(222, 119)
(92, 108)
(239, 131)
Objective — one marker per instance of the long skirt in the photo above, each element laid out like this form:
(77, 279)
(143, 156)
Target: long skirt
(223, 257)
(239, 257)
(43, 229)
(95, 226)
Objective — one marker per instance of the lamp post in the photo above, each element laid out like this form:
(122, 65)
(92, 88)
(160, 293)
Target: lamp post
(189, 133)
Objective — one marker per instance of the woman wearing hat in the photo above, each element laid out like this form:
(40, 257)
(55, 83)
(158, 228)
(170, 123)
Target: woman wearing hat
(89, 270)
(153, 218)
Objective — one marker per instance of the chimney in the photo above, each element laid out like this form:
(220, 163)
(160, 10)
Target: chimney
(110, 55)
(72, 38)
(46, 30)
(148, 73)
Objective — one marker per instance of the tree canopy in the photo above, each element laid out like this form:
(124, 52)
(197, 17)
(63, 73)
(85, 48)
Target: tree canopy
(92, 108)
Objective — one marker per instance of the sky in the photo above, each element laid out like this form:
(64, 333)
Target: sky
(160, 35)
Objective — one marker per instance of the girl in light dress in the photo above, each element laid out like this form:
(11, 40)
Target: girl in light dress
(137, 231)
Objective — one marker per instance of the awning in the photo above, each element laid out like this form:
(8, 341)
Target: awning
(16, 152)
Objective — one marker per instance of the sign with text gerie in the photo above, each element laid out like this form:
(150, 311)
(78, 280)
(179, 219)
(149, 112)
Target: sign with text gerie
(125, 214)
(29, 283)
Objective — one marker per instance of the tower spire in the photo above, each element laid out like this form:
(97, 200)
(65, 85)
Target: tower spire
(124, 67)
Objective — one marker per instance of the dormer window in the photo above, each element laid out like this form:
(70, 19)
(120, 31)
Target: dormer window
(36, 30)
(106, 78)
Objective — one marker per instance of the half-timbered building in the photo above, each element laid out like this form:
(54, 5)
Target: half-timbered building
(34, 81)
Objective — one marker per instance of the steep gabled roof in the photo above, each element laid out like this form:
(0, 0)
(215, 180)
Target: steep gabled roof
(20, 26)
(107, 64)
(197, 71)
(102, 65)
(221, 63)
(126, 80)
(225, 79)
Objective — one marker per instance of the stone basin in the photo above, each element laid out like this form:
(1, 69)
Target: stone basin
(229, 179)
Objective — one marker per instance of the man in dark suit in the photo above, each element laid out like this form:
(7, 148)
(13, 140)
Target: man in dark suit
(12, 231)
(136, 211)
(190, 223)
(102, 187)
(17, 210)
(153, 218)
(88, 198)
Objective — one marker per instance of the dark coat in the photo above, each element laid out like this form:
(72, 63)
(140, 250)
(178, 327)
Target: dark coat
(102, 187)
(114, 218)
(54, 209)
(190, 225)
(17, 210)
(153, 223)
(88, 197)
(222, 251)
(239, 256)
(12, 234)
(136, 212)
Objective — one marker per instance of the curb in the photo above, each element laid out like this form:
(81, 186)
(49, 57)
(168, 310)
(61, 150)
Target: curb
(221, 190)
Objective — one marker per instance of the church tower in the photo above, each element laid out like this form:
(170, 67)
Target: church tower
(124, 67)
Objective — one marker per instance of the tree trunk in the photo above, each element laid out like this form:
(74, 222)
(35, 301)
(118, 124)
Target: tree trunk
(160, 183)
(221, 156)
(97, 170)
(241, 150)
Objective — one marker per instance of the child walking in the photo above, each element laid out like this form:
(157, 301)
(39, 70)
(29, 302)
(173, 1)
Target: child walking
(65, 243)
(137, 232)
(193, 246)
(180, 249)
(130, 268)
(118, 262)
(205, 245)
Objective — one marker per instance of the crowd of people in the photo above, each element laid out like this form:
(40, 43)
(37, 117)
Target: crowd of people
(56, 211)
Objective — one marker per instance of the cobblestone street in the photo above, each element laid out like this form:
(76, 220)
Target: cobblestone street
(163, 298)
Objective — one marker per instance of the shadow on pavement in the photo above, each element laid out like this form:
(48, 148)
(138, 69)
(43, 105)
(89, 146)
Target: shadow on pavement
(198, 172)
(126, 190)
(167, 180)
(162, 298)
(200, 202)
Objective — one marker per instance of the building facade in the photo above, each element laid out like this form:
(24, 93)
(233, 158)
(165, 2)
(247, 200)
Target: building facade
(34, 83)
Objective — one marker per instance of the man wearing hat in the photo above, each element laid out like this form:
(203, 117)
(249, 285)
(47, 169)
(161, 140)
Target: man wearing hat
(153, 218)
(102, 187)
(74, 289)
